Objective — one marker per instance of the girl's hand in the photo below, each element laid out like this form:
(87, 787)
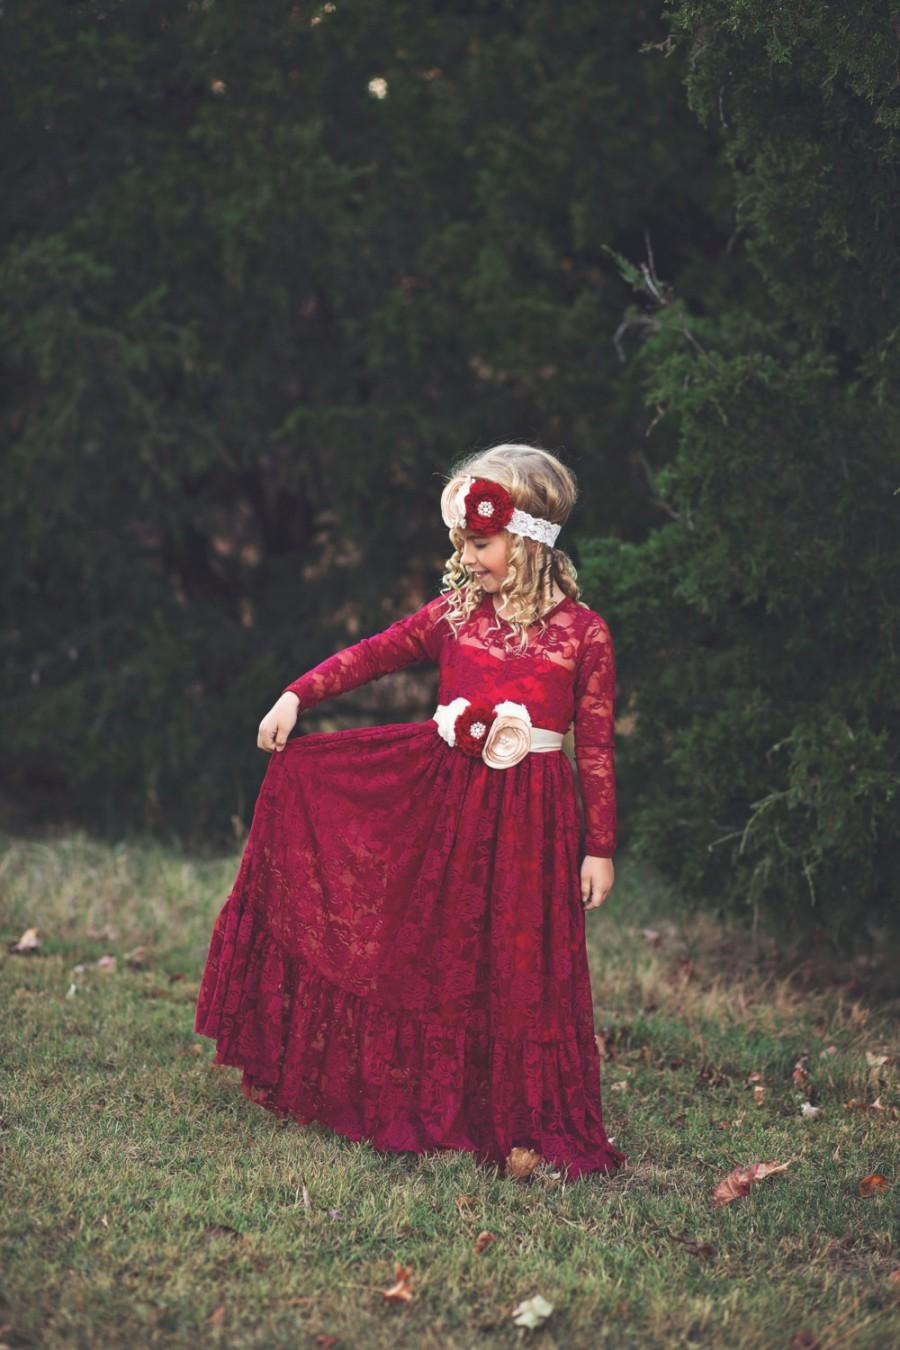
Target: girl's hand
(597, 880)
(278, 723)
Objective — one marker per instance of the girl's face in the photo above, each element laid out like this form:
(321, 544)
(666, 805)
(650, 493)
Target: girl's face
(486, 557)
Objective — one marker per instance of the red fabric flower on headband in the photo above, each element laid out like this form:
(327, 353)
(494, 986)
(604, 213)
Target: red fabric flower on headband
(472, 726)
(489, 507)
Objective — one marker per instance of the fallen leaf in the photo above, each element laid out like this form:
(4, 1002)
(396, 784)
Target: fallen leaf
(759, 1095)
(521, 1162)
(872, 1184)
(698, 1248)
(876, 1061)
(217, 1317)
(804, 1340)
(402, 1287)
(137, 958)
(532, 1311)
(652, 936)
(463, 1202)
(27, 944)
(878, 1105)
(740, 1179)
(754, 1077)
(484, 1239)
(800, 1076)
(809, 1112)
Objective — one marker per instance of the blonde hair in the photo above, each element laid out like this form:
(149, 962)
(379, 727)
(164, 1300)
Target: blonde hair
(541, 484)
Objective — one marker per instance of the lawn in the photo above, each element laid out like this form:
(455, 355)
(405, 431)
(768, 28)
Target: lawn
(148, 1202)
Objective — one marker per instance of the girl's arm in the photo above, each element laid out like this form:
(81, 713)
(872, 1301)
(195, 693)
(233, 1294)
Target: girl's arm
(595, 697)
(409, 640)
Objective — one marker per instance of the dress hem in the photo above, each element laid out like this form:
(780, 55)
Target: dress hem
(313, 1051)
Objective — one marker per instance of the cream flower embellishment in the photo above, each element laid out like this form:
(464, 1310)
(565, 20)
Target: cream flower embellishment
(446, 714)
(509, 739)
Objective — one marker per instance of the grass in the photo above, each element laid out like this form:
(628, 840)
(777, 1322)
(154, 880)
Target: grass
(147, 1202)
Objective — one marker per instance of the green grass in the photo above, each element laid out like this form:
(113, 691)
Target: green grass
(147, 1202)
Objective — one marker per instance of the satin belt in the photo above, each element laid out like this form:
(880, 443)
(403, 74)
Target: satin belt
(544, 739)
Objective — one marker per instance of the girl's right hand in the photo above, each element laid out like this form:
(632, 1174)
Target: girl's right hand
(278, 723)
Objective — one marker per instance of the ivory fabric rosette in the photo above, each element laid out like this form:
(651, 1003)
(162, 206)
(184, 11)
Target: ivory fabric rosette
(509, 738)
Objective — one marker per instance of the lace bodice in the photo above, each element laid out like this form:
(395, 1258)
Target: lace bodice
(566, 674)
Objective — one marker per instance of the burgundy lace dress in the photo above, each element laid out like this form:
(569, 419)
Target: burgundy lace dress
(402, 955)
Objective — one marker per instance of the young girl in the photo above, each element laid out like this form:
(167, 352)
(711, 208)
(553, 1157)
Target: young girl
(402, 956)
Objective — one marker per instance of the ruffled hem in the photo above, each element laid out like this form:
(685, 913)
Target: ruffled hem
(313, 1051)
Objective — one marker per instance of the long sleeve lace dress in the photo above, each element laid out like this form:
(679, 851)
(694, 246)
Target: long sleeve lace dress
(402, 955)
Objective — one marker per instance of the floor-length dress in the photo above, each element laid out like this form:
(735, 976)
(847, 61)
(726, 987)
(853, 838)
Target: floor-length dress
(402, 955)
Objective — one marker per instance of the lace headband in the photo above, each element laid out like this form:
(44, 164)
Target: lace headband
(484, 507)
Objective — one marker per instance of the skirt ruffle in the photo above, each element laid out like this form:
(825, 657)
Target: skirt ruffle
(422, 987)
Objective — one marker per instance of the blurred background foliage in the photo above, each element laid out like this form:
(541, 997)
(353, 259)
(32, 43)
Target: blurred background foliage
(268, 271)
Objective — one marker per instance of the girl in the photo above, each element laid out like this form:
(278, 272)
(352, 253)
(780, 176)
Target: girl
(402, 956)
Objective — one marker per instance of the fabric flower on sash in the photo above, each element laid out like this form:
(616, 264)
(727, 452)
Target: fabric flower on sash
(501, 735)
(509, 739)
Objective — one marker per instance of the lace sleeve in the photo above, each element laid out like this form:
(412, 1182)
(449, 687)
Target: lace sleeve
(595, 696)
(410, 640)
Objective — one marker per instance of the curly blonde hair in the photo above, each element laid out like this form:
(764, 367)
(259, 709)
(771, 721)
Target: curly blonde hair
(541, 484)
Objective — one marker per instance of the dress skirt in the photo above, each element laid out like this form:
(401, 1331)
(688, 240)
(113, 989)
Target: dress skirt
(402, 955)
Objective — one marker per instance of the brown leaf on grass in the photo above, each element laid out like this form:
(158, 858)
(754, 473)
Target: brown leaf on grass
(137, 958)
(402, 1288)
(754, 1077)
(859, 1015)
(217, 1317)
(894, 1277)
(484, 1239)
(324, 1339)
(521, 1162)
(872, 1184)
(463, 1202)
(27, 944)
(855, 1104)
(804, 1339)
(759, 1095)
(698, 1248)
(651, 936)
(740, 1179)
(800, 1076)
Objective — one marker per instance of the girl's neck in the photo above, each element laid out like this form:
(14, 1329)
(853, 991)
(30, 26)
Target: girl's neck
(554, 600)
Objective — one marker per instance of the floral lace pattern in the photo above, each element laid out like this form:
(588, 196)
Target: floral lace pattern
(567, 674)
(402, 955)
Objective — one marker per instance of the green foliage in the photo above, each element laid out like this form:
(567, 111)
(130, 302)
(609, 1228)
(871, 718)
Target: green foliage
(253, 311)
(758, 630)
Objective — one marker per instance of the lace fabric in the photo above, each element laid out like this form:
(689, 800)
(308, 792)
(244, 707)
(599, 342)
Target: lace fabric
(566, 676)
(402, 955)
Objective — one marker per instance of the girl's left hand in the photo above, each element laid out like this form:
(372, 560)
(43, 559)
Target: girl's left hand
(597, 880)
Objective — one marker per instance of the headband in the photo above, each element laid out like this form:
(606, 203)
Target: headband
(484, 507)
